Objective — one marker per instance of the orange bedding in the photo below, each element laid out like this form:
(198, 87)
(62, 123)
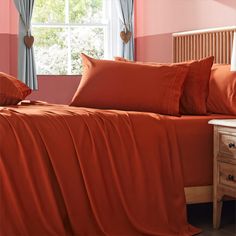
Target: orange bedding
(195, 141)
(77, 171)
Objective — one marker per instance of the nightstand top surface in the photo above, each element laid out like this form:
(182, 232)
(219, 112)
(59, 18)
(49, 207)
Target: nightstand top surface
(224, 122)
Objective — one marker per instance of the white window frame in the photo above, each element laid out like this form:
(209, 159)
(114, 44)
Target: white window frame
(110, 25)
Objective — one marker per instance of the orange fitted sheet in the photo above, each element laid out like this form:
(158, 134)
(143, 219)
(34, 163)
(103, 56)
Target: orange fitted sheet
(195, 139)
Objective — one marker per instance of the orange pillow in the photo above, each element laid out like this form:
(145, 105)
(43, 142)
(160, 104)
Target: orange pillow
(128, 86)
(222, 90)
(196, 87)
(195, 92)
(12, 90)
(139, 62)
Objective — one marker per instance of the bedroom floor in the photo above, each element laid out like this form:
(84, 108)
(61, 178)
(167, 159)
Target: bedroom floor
(200, 215)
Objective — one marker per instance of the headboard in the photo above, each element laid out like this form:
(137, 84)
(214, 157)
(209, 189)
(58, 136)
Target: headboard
(194, 45)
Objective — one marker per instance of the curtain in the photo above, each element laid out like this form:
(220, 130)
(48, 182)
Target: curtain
(26, 61)
(125, 11)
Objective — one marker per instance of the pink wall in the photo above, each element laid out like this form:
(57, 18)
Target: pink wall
(8, 37)
(156, 20)
(4, 16)
(56, 89)
(8, 17)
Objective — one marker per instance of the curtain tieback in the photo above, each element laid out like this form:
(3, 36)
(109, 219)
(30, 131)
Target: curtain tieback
(125, 35)
(28, 39)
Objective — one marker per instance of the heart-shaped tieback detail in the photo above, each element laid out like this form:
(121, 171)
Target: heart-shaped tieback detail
(125, 36)
(29, 40)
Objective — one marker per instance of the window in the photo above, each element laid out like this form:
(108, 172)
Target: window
(65, 28)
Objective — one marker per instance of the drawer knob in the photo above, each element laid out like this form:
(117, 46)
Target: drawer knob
(231, 177)
(231, 145)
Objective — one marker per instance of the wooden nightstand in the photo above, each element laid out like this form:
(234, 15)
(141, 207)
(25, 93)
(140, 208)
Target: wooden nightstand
(224, 182)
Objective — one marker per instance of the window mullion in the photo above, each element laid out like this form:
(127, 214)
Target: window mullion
(68, 29)
(69, 70)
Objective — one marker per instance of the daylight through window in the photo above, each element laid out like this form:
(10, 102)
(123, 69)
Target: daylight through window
(65, 28)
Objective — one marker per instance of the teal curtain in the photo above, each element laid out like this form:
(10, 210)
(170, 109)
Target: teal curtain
(26, 61)
(126, 15)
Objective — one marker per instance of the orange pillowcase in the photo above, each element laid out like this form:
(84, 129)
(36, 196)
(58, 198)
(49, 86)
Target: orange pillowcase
(222, 90)
(195, 92)
(128, 86)
(12, 90)
(196, 87)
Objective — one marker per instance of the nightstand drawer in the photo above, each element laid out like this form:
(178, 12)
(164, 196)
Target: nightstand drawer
(227, 144)
(227, 174)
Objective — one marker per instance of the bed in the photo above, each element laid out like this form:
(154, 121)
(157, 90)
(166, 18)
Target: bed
(115, 172)
(193, 45)
(67, 170)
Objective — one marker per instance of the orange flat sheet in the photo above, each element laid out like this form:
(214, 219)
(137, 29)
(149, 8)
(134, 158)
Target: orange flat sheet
(195, 141)
(76, 171)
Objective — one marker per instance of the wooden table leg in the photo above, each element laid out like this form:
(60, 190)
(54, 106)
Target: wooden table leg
(217, 208)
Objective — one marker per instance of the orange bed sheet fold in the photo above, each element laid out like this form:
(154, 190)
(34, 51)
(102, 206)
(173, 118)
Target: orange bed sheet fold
(77, 171)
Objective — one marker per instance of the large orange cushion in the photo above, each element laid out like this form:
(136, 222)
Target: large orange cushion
(12, 90)
(222, 90)
(128, 86)
(195, 92)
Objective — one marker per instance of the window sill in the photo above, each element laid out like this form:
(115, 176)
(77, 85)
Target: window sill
(58, 75)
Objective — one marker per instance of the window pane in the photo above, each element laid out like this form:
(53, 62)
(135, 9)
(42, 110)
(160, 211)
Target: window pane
(84, 11)
(89, 40)
(49, 11)
(50, 51)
